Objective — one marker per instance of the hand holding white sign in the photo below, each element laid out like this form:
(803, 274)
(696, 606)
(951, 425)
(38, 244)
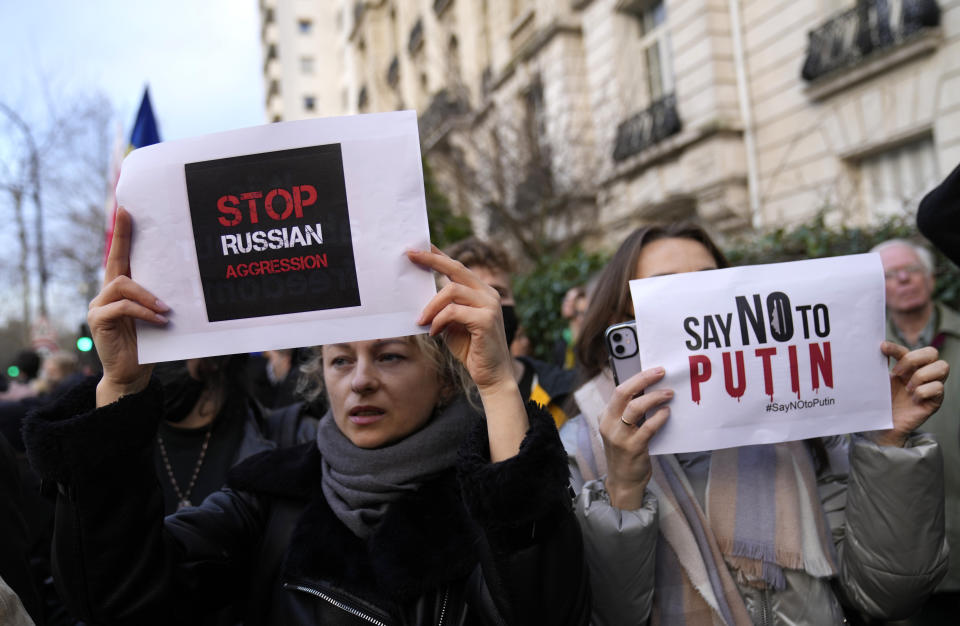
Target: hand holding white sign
(626, 436)
(111, 320)
(916, 390)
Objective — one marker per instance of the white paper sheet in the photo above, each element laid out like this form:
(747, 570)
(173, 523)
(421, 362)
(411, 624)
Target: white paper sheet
(839, 383)
(384, 198)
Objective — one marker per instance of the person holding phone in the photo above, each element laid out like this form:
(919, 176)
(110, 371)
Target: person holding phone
(432, 493)
(698, 539)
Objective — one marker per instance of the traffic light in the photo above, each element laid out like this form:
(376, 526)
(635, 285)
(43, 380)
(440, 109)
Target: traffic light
(84, 340)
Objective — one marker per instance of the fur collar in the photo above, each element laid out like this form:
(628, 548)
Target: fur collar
(426, 539)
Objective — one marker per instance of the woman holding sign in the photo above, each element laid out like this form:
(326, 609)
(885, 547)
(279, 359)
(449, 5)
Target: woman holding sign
(767, 534)
(409, 508)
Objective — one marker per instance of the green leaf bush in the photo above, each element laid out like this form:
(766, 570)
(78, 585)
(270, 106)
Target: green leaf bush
(540, 292)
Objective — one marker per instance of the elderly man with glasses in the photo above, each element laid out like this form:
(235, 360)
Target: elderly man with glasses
(916, 321)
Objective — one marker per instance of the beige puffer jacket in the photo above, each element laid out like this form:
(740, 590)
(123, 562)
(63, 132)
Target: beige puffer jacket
(885, 509)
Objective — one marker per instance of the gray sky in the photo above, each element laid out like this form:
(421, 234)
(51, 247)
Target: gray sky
(201, 59)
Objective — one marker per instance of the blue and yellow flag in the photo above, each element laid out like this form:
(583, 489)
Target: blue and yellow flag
(144, 133)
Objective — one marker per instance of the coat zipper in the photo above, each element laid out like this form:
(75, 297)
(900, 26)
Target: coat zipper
(340, 605)
(443, 606)
(765, 608)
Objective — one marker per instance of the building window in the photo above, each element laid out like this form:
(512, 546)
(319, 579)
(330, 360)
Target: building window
(309, 103)
(363, 99)
(453, 61)
(655, 45)
(415, 41)
(306, 65)
(393, 71)
(305, 26)
(893, 182)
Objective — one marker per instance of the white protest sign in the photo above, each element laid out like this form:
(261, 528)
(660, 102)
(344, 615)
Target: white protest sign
(766, 353)
(279, 236)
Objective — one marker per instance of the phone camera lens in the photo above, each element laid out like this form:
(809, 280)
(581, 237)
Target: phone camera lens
(617, 337)
(619, 349)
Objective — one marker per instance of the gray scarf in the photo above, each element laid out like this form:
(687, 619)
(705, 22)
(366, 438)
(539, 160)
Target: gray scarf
(360, 484)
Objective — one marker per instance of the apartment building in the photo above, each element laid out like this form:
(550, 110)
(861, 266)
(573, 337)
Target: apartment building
(574, 120)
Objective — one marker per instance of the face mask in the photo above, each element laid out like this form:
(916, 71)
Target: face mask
(180, 390)
(510, 322)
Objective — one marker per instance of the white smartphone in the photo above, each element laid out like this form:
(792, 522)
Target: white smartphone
(624, 352)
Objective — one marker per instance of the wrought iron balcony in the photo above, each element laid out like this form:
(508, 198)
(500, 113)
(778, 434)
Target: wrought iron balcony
(445, 105)
(871, 26)
(646, 128)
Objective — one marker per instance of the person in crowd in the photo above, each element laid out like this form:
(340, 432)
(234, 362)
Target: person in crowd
(522, 345)
(12, 612)
(572, 308)
(409, 507)
(541, 382)
(665, 535)
(58, 374)
(27, 363)
(58, 368)
(209, 424)
(915, 320)
(15, 567)
(938, 216)
(275, 376)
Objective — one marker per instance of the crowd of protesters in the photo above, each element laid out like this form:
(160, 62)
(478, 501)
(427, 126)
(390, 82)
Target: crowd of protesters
(453, 478)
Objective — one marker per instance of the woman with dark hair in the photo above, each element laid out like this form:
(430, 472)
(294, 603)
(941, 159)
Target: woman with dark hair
(709, 537)
(610, 301)
(411, 506)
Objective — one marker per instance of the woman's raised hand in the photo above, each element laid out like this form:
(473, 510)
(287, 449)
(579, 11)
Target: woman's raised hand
(111, 320)
(467, 312)
(626, 436)
(916, 390)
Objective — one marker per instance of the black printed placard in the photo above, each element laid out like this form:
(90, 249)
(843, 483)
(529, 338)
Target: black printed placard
(272, 233)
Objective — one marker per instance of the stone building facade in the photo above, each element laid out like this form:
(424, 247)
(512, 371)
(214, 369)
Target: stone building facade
(573, 120)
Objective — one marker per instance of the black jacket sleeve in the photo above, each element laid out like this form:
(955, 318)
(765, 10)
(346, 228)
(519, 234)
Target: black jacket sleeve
(532, 563)
(938, 217)
(14, 556)
(116, 559)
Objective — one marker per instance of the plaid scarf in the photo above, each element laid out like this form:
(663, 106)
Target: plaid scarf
(763, 515)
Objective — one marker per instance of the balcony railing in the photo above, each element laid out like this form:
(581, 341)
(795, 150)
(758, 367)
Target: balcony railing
(445, 105)
(646, 128)
(871, 26)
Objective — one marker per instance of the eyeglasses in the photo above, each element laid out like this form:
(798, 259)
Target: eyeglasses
(909, 271)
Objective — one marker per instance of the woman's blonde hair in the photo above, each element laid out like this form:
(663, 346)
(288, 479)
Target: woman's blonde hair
(453, 376)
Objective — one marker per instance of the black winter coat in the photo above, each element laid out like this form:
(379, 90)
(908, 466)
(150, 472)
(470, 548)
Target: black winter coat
(484, 544)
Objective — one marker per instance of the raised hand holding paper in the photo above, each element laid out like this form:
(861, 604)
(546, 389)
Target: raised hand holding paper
(279, 236)
(767, 353)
